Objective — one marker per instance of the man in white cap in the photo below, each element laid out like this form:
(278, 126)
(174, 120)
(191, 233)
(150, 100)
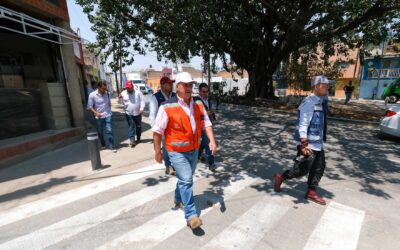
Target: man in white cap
(309, 140)
(181, 121)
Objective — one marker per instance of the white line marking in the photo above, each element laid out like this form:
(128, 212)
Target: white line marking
(167, 224)
(338, 228)
(394, 160)
(246, 231)
(64, 229)
(58, 200)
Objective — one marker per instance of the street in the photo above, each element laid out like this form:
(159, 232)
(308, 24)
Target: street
(55, 201)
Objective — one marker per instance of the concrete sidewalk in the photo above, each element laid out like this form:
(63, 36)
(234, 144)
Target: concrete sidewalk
(70, 167)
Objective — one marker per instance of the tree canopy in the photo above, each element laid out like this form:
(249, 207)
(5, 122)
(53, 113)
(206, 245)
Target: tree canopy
(256, 34)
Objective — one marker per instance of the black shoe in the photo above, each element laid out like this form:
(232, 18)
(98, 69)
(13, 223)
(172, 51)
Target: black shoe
(212, 167)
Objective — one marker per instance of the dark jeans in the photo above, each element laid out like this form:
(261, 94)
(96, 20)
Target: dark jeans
(348, 97)
(205, 145)
(135, 126)
(313, 165)
(106, 123)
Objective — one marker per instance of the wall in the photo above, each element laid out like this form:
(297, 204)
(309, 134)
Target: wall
(54, 106)
(40, 8)
(371, 69)
(32, 56)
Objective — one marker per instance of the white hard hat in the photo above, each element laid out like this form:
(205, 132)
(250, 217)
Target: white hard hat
(183, 77)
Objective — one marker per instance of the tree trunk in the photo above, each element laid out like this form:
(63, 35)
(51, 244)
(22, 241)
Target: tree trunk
(260, 76)
(260, 83)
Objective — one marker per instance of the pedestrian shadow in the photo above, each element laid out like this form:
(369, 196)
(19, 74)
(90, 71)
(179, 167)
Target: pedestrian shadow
(22, 193)
(146, 141)
(151, 181)
(207, 200)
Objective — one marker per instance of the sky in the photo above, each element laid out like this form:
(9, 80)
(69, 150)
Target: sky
(78, 19)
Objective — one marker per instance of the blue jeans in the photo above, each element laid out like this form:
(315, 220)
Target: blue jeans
(106, 123)
(205, 144)
(167, 162)
(348, 97)
(135, 125)
(185, 165)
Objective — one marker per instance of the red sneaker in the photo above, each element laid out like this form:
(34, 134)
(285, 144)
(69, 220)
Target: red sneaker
(277, 182)
(311, 195)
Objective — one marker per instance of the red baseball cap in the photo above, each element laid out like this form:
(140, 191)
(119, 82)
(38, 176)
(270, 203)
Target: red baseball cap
(128, 85)
(165, 79)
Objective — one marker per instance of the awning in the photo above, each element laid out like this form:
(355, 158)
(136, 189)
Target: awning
(36, 28)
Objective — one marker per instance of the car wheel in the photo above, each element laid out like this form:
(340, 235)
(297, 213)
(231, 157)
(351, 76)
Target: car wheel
(393, 99)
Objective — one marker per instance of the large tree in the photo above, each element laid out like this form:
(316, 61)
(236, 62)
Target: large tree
(257, 35)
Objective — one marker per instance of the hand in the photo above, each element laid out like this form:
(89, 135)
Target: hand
(141, 111)
(97, 114)
(213, 148)
(158, 156)
(210, 112)
(306, 151)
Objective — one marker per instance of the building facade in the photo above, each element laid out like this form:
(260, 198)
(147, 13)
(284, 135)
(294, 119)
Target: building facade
(39, 68)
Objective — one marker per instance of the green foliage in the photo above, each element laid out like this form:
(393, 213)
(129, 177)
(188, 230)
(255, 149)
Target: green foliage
(257, 34)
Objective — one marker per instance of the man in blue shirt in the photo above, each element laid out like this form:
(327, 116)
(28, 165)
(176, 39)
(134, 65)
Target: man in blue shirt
(99, 103)
(309, 140)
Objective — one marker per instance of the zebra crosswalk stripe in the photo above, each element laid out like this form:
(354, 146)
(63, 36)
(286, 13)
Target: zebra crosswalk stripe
(69, 227)
(338, 228)
(168, 223)
(58, 200)
(246, 231)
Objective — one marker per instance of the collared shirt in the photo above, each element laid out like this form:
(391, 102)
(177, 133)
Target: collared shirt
(154, 107)
(162, 118)
(133, 102)
(306, 110)
(101, 103)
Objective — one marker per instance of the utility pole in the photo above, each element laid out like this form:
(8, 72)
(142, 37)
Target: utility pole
(120, 71)
(116, 82)
(209, 69)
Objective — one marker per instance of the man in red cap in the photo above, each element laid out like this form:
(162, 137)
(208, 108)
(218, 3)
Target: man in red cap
(156, 100)
(134, 106)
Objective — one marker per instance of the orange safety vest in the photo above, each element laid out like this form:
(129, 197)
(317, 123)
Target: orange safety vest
(179, 136)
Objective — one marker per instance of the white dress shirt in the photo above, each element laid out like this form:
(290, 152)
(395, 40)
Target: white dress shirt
(133, 102)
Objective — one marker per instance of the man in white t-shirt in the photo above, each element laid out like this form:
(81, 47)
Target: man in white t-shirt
(133, 102)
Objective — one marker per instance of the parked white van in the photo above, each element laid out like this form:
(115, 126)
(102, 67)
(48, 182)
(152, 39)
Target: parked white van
(142, 86)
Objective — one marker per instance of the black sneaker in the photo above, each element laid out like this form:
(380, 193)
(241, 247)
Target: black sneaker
(212, 167)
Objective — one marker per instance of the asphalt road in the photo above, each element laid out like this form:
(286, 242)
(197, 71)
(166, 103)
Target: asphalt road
(131, 209)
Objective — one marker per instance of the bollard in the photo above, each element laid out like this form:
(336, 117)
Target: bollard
(94, 153)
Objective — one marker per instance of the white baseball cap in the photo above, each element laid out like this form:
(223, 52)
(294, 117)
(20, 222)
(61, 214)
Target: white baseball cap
(183, 77)
(320, 79)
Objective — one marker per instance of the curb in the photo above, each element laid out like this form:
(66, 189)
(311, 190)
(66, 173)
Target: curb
(293, 113)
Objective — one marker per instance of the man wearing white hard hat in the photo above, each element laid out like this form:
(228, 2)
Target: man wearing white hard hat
(181, 121)
(309, 135)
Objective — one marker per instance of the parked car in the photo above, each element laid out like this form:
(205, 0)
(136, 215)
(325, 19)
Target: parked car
(392, 92)
(142, 86)
(149, 90)
(390, 124)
